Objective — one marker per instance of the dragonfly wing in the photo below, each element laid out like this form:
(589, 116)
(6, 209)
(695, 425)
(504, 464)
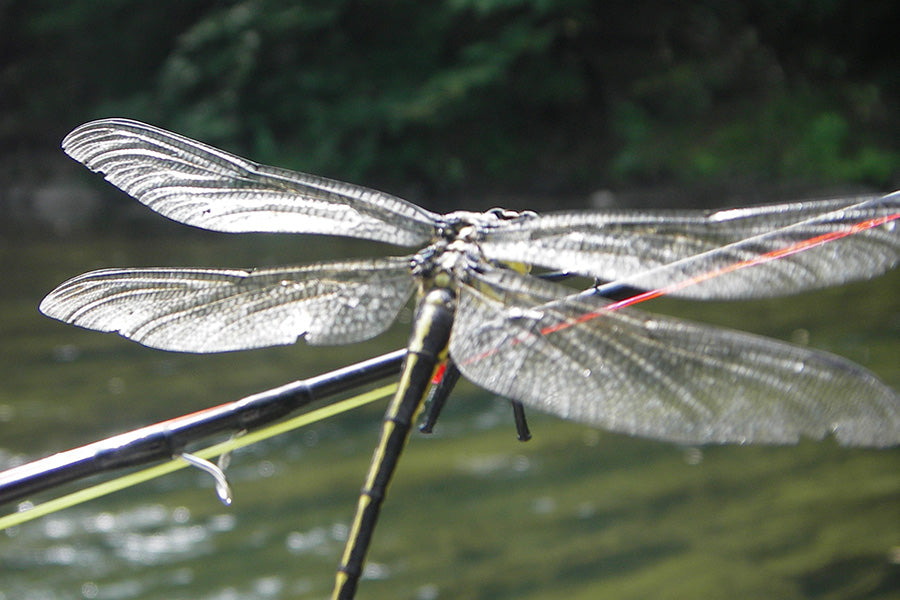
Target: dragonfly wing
(199, 185)
(656, 376)
(208, 310)
(739, 253)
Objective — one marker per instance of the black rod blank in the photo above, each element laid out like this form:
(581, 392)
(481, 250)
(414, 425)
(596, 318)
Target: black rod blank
(163, 440)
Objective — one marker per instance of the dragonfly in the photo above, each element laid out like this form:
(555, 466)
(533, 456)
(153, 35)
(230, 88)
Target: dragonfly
(573, 353)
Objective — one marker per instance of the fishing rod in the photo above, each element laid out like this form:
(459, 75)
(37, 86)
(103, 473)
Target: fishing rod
(164, 440)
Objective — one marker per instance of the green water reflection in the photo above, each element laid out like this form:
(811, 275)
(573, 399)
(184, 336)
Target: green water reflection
(575, 513)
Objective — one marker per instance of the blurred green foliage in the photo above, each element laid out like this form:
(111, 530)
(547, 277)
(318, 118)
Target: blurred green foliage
(487, 94)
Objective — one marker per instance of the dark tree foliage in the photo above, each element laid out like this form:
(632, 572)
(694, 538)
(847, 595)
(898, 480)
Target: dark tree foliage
(454, 95)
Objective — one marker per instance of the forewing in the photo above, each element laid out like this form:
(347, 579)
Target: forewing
(739, 253)
(208, 310)
(656, 376)
(199, 185)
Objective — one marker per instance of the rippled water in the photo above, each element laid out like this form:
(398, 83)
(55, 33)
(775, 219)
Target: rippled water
(575, 513)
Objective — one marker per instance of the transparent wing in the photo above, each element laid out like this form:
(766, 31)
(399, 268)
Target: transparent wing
(206, 310)
(202, 186)
(723, 254)
(659, 377)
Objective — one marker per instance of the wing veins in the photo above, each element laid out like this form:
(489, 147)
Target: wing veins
(684, 382)
(656, 249)
(153, 165)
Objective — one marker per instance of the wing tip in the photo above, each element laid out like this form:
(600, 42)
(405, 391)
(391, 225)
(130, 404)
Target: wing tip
(48, 306)
(90, 129)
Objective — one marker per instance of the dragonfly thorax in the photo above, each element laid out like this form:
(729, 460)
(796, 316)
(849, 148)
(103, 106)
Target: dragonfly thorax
(444, 262)
(455, 249)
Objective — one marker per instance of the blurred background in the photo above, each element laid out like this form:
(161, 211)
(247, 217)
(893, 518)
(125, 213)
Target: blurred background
(457, 104)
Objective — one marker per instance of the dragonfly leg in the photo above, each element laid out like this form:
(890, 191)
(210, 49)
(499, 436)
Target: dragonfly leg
(441, 392)
(523, 434)
(439, 395)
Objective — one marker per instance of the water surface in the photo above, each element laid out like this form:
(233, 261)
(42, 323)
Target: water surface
(575, 513)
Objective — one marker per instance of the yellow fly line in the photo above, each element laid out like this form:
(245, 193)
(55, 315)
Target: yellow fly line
(131, 479)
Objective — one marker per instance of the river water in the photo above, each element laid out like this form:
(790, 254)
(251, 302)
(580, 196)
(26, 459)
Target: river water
(575, 513)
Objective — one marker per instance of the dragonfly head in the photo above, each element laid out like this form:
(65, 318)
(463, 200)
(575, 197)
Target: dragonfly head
(504, 214)
(468, 225)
